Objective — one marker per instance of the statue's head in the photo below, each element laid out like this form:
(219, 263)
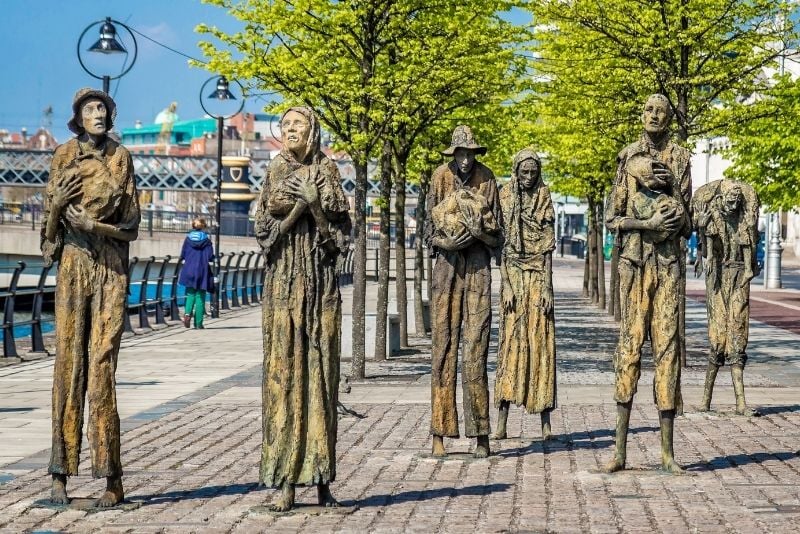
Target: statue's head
(527, 168)
(464, 148)
(732, 199)
(93, 112)
(657, 114)
(300, 132)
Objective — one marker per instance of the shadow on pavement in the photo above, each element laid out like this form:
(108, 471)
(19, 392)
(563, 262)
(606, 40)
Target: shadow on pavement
(427, 494)
(738, 460)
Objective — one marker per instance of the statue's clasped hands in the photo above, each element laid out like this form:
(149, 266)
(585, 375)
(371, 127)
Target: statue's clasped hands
(304, 189)
(665, 218)
(67, 188)
(79, 219)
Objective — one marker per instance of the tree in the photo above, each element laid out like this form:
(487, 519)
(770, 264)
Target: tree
(597, 60)
(328, 56)
(765, 152)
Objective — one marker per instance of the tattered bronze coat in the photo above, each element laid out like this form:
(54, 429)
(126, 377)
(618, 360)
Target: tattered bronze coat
(649, 276)
(729, 247)
(461, 311)
(302, 319)
(526, 360)
(91, 293)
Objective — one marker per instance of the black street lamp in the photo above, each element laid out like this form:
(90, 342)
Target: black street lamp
(221, 93)
(107, 44)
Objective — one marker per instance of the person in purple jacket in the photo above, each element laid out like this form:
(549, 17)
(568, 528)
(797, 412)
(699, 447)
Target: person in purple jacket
(196, 275)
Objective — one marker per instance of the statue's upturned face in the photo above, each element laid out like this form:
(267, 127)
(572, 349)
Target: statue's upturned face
(465, 159)
(295, 130)
(731, 200)
(93, 116)
(656, 116)
(528, 173)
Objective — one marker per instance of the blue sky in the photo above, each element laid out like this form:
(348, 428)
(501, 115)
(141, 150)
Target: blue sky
(40, 66)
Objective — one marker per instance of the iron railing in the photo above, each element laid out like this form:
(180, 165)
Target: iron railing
(154, 295)
(31, 168)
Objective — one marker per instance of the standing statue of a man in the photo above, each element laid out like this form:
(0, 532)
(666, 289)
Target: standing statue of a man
(463, 231)
(725, 213)
(91, 216)
(648, 211)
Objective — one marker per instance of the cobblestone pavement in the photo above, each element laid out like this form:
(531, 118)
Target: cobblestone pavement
(191, 461)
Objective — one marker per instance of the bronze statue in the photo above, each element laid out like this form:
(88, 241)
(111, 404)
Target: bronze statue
(91, 216)
(526, 360)
(463, 232)
(648, 210)
(725, 214)
(303, 227)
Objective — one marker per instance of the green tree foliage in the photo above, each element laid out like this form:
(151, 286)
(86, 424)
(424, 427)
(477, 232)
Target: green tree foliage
(765, 152)
(597, 60)
(372, 69)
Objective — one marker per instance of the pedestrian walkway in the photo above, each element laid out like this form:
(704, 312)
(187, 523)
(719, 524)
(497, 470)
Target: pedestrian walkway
(190, 405)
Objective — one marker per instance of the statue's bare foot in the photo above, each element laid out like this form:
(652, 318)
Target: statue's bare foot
(113, 494)
(58, 494)
(438, 446)
(747, 411)
(669, 465)
(482, 448)
(286, 499)
(325, 498)
(500, 434)
(547, 432)
(616, 464)
(704, 408)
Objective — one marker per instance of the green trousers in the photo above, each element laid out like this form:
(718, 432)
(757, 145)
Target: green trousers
(196, 305)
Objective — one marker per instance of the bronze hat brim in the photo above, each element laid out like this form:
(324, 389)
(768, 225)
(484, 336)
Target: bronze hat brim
(478, 149)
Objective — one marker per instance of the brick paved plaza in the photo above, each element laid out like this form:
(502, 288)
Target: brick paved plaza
(190, 404)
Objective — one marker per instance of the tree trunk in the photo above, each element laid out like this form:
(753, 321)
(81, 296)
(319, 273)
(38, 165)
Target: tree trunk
(591, 252)
(601, 260)
(419, 258)
(384, 251)
(359, 269)
(400, 251)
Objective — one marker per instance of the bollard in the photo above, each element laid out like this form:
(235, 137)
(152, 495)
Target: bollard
(773, 275)
(394, 333)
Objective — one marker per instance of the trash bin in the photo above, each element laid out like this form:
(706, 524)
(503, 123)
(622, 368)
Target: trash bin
(577, 247)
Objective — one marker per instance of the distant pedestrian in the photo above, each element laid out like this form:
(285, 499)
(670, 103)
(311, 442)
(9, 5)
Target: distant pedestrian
(196, 276)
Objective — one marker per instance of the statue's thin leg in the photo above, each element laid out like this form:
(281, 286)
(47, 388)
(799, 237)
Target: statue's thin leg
(286, 499)
(58, 495)
(113, 494)
(737, 372)
(708, 390)
(547, 432)
(668, 463)
(620, 452)
(502, 420)
(482, 447)
(438, 446)
(324, 496)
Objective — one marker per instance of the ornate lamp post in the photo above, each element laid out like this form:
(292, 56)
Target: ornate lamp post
(107, 44)
(221, 93)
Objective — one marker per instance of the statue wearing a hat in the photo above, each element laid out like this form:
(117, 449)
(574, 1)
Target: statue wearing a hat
(91, 215)
(463, 232)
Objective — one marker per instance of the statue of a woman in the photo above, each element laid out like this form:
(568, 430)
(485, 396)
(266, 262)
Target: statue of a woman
(526, 361)
(91, 215)
(303, 227)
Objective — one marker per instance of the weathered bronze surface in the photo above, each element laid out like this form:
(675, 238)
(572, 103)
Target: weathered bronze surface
(725, 213)
(303, 227)
(91, 215)
(463, 231)
(648, 211)
(526, 361)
